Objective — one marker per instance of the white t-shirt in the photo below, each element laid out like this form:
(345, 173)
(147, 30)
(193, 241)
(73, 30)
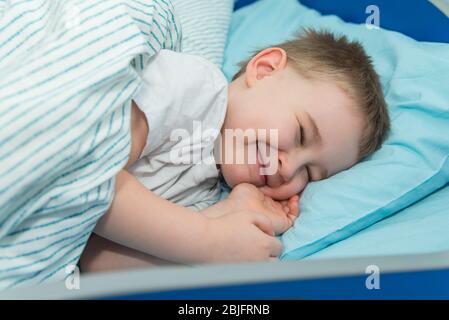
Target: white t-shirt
(184, 98)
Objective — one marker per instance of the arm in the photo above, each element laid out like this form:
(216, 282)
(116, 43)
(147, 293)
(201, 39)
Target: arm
(102, 255)
(140, 220)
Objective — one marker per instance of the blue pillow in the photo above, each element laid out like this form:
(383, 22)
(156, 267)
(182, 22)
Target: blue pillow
(418, 229)
(413, 162)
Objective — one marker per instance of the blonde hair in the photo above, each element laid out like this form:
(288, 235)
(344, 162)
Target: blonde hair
(322, 55)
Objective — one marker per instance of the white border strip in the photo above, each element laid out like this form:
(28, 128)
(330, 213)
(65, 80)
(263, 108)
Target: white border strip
(174, 278)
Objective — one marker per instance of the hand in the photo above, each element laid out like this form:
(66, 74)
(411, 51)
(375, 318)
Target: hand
(246, 196)
(240, 236)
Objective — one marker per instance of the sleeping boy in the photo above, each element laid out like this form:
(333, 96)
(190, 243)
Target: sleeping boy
(297, 112)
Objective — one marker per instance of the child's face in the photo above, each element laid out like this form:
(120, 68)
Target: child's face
(318, 127)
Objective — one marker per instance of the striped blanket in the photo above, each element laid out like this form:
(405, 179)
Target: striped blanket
(68, 70)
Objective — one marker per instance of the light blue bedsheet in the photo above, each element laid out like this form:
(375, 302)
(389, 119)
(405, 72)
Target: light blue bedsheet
(420, 228)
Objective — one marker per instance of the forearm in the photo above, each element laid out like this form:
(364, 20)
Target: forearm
(143, 221)
(102, 255)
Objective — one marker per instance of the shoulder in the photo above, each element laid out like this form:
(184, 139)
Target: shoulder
(187, 70)
(195, 87)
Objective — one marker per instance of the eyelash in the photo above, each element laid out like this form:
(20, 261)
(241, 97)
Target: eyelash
(301, 141)
(301, 132)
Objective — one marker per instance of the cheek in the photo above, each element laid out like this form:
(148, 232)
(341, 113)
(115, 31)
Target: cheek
(234, 174)
(299, 182)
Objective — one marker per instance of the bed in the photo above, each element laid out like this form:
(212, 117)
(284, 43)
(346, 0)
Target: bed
(410, 248)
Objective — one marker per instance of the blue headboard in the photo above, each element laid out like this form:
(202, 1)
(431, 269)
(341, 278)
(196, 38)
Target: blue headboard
(418, 19)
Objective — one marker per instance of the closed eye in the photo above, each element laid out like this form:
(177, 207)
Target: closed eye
(301, 132)
(300, 140)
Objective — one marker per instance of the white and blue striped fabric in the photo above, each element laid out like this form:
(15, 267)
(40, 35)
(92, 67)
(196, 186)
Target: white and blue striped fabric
(205, 26)
(68, 70)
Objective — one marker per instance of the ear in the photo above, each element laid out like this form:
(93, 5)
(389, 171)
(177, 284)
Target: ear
(265, 64)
